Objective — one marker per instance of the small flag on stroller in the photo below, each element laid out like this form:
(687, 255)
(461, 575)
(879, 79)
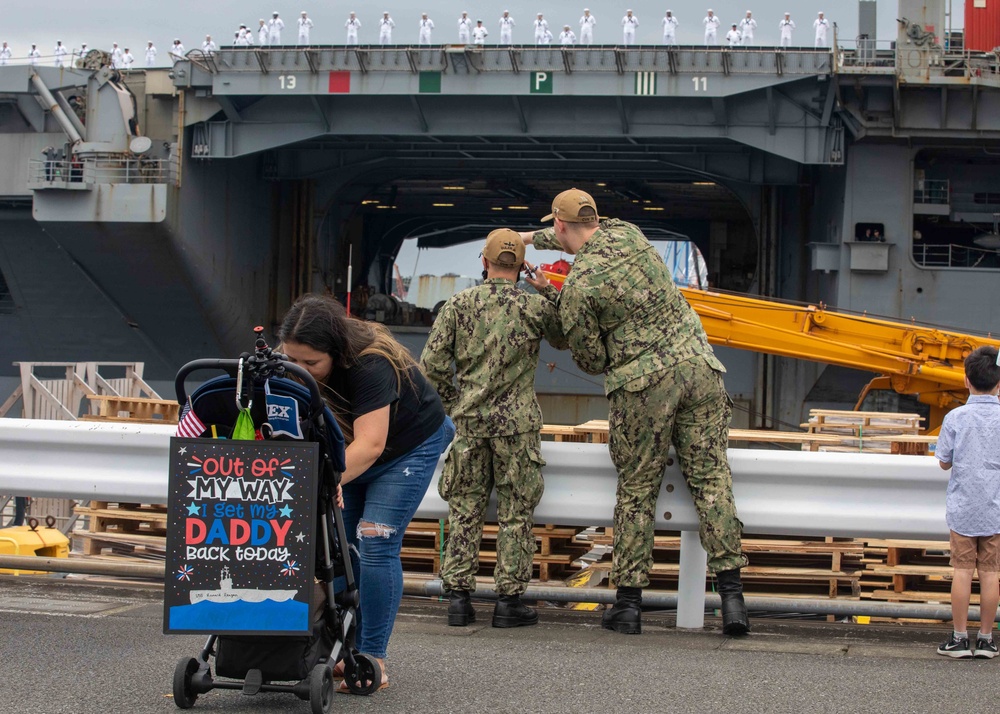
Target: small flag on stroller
(189, 426)
(282, 414)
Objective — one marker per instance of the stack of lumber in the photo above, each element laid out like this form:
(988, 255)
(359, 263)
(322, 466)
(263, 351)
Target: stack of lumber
(868, 432)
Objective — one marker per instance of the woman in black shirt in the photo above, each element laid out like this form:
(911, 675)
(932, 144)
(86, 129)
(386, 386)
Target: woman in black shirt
(396, 429)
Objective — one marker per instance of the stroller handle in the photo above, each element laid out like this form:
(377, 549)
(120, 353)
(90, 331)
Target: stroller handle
(232, 366)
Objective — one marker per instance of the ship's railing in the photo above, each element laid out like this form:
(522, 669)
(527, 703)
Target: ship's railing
(953, 255)
(526, 58)
(932, 191)
(71, 173)
(866, 56)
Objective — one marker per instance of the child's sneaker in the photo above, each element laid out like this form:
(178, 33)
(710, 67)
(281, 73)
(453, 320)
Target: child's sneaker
(957, 647)
(985, 649)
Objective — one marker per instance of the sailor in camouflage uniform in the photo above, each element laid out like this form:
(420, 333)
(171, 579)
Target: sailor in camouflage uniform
(624, 318)
(491, 333)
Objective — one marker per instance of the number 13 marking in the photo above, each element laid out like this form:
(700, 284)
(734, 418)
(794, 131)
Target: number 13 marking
(287, 81)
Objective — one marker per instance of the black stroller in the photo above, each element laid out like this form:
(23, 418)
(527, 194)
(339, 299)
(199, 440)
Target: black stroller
(303, 665)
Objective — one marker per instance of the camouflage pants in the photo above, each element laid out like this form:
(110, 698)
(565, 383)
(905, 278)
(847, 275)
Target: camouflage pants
(513, 464)
(686, 405)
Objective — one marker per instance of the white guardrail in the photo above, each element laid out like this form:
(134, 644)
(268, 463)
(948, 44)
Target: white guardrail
(777, 492)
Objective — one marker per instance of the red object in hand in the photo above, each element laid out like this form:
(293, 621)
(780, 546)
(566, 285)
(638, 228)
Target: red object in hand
(556, 272)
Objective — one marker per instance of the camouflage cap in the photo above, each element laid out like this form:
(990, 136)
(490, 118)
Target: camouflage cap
(501, 241)
(567, 205)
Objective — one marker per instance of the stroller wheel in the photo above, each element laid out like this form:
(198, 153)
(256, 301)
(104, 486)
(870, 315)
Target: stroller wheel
(184, 698)
(366, 676)
(320, 689)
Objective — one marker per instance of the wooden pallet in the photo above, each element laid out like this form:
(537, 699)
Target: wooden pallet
(557, 547)
(825, 566)
(869, 432)
(133, 409)
(122, 526)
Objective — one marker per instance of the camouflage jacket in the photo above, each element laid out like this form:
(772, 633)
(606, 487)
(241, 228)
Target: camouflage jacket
(482, 353)
(621, 312)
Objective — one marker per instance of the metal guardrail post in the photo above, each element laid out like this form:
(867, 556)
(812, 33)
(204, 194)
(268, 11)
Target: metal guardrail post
(691, 582)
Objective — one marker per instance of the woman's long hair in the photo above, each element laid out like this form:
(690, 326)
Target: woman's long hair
(322, 323)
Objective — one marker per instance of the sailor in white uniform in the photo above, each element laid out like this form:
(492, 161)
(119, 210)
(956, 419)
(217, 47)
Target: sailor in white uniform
(128, 59)
(305, 23)
(541, 26)
(479, 33)
(5, 54)
(177, 51)
(150, 54)
(747, 27)
(786, 26)
(546, 38)
(385, 25)
(506, 28)
(567, 36)
(209, 46)
(84, 50)
(629, 25)
(733, 37)
(262, 34)
(34, 55)
(822, 25)
(465, 25)
(353, 24)
(274, 27)
(426, 26)
(711, 23)
(60, 53)
(587, 23)
(670, 29)
(116, 56)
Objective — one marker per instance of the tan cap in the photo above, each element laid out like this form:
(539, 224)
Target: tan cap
(566, 207)
(504, 240)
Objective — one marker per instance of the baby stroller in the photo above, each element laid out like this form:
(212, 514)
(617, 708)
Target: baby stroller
(302, 665)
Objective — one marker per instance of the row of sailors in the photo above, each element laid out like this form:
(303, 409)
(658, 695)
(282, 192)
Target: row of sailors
(741, 34)
(121, 58)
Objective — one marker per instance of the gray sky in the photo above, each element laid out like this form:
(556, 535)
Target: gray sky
(131, 23)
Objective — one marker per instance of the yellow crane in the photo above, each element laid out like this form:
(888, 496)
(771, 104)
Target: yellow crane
(910, 358)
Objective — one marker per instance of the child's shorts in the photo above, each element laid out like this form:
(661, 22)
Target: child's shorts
(982, 552)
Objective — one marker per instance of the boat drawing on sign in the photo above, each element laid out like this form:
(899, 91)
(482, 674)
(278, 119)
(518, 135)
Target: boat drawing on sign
(227, 593)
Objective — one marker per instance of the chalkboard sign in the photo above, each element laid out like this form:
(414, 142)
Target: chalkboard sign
(240, 537)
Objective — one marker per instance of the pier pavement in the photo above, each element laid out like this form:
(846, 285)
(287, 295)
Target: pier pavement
(75, 647)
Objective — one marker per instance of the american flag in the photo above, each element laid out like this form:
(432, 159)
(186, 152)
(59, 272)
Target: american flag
(189, 426)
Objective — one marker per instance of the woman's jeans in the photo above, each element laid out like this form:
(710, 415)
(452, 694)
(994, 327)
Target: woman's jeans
(384, 499)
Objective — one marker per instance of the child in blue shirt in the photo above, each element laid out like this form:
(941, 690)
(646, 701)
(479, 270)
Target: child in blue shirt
(969, 445)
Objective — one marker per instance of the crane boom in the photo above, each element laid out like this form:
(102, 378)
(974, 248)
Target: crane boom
(911, 358)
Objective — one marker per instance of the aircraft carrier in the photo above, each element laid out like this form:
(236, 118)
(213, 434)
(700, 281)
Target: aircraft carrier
(178, 208)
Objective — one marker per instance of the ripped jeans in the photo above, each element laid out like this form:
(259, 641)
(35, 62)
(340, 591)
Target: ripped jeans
(378, 505)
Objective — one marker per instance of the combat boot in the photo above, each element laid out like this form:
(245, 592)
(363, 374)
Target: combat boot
(626, 615)
(460, 610)
(734, 610)
(511, 612)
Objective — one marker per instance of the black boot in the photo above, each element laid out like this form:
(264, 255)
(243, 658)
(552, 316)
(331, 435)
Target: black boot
(511, 612)
(734, 610)
(626, 615)
(460, 610)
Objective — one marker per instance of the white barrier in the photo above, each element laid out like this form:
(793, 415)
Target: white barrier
(777, 492)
